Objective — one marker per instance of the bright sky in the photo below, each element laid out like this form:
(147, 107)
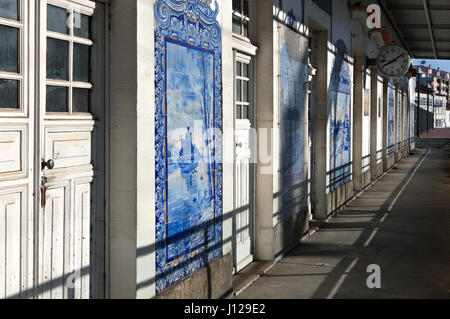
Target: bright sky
(443, 64)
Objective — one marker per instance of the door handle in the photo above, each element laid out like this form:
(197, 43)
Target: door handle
(50, 164)
(238, 144)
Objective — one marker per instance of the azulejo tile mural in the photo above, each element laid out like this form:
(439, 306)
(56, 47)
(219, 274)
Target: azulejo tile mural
(391, 115)
(399, 121)
(340, 118)
(188, 154)
(293, 98)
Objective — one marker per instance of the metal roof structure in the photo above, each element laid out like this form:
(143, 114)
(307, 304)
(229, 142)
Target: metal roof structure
(422, 25)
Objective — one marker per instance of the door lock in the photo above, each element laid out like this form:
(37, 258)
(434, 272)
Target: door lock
(50, 164)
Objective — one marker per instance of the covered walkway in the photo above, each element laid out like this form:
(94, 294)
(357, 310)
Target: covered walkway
(401, 223)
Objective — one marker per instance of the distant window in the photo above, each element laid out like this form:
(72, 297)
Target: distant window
(241, 17)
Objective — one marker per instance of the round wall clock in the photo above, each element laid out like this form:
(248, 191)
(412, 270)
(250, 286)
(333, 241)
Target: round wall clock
(393, 61)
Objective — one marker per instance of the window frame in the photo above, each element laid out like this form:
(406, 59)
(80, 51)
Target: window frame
(22, 25)
(242, 18)
(85, 7)
(247, 60)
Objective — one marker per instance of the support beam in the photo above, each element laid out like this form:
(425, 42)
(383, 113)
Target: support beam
(427, 14)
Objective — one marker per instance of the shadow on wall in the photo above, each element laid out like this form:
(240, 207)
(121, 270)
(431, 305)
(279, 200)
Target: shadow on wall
(340, 118)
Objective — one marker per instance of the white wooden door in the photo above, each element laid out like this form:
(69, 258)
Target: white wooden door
(243, 186)
(45, 209)
(16, 152)
(242, 212)
(65, 140)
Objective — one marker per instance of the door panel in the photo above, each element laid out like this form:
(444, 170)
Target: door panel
(242, 176)
(65, 131)
(51, 242)
(68, 148)
(82, 238)
(10, 230)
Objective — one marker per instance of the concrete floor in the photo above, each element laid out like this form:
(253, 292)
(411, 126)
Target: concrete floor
(410, 242)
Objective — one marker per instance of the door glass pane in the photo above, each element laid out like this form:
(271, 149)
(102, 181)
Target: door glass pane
(239, 90)
(245, 8)
(238, 68)
(80, 100)
(57, 59)
(81, 27)
(237, 5)
(56, 99)
(245, 27)
(245, 111)
(9, 94)
(9, 49)
(9, 9)
(236, 25)
(244, 91)
(57, 19)
(245, 70)
(238, 112)
(81, 54)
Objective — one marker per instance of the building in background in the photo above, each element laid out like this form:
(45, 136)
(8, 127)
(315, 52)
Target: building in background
(435, 93)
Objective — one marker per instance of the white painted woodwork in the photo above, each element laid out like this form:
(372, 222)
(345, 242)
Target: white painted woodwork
(10, 150)
(42, 245)
(10, 253)
(242, 231)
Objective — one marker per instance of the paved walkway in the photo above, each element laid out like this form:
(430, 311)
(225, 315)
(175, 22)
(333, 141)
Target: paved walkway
(437, 133)
(401, 223)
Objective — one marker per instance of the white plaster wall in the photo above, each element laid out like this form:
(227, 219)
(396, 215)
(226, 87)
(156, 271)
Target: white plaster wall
(145, 217)
(341, 24)
(225, 8)
(122, 108)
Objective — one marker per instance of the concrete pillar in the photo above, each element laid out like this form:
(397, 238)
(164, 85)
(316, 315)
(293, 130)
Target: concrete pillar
(320, 124)
(373, 121)
(357, 121)
(385, 123)
(264, 243)
(396, 119)
(131, 270)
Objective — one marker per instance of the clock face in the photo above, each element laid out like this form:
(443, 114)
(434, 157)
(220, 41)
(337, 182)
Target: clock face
(393, 61)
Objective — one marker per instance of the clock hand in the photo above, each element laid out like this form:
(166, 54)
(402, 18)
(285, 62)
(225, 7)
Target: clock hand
(390, 62)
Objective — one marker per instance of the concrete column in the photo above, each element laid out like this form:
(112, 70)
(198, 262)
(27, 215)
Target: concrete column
(264, 243)
(373, 121)
(385, 123)
(132, 151)
(228, 126)
(320, 124)
(396, 119)
(357, 121)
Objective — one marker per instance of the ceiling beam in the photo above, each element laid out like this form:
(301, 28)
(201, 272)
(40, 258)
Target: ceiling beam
(437, 40)
(427, 14)
(424, 26)
(412, 7)
(427, 50)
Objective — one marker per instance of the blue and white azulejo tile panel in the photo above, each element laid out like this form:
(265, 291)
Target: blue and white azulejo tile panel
(188, 163)
(340, 118)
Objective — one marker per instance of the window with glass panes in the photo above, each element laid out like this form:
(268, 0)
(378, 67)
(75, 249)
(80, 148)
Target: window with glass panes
(241, 17)
(68, 60)
(242, 85)
(11, 75)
